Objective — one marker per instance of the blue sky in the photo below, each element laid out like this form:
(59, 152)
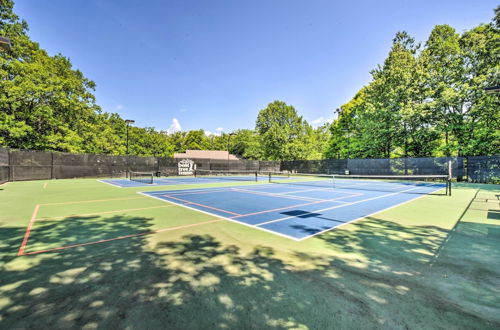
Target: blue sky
(215, 64)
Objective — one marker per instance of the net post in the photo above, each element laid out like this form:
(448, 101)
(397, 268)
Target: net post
(270, 180)
(450, 175)
(256, 176)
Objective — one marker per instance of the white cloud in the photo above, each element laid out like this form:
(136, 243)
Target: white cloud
(321, 121)
(119, 106)
(218, 132)
(174, 127)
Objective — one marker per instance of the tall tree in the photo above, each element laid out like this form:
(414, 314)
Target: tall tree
(282, 132)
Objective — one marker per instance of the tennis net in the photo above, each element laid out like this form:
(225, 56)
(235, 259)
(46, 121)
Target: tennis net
(143, 177)
(411, 184)
(227, 175)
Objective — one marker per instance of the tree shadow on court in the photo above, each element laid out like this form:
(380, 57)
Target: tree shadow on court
(370, 277)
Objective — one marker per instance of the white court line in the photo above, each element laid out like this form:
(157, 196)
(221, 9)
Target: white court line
(221, 217)
(309, 198)
(336, 207)
(111, 184)
(306, 190)
(278, 195)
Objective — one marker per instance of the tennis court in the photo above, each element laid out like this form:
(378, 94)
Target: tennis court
(300, 206)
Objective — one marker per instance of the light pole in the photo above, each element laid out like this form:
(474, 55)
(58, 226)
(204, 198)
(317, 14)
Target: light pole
(128, 122)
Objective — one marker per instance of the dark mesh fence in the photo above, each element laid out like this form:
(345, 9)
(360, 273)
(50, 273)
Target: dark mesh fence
(323, 166)
(4, 165)
(483, 169)
(168, 166)
(88, 165)
(269, 166)
(39, 165)
(30, 165)
(143, 164)
(404, 166)
(383, 166)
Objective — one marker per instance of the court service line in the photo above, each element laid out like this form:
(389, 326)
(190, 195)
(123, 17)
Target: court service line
(314, 189)
(278, 195)
(202, 205)
(301, 197)
(338, 206)
(288, 207)
(123, 237)
(28, 230)
(334, 200)
(99, 213)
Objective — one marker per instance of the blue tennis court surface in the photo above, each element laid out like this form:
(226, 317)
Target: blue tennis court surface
(296, 211)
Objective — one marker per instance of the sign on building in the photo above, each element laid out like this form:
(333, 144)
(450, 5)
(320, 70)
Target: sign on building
(186, 167)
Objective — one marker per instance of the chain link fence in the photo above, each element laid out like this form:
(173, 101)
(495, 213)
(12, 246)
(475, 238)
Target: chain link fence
(17, 165)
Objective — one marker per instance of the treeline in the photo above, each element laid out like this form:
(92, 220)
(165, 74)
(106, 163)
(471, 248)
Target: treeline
(427, 100)
(423, 101)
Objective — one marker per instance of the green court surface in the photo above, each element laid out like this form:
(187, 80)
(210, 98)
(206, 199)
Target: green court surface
(84, 254)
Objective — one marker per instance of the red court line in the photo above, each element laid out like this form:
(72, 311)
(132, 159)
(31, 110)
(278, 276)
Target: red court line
(202, 205)
(121, 237)
(28, 231)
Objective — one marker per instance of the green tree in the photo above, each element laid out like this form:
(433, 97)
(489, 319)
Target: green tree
(282, 132)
